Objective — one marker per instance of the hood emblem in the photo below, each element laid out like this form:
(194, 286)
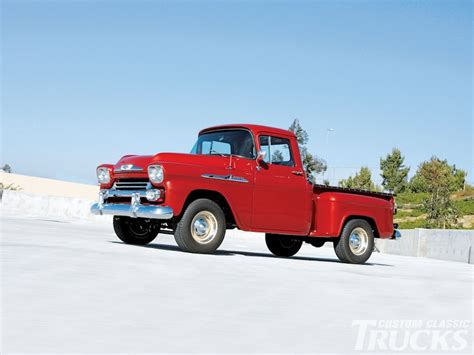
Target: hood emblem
(127, 168)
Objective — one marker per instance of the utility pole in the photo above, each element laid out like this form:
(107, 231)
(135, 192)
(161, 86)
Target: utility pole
(329, 130)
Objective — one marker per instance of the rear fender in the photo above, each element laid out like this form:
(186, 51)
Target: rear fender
(369, 220)
(334, 209)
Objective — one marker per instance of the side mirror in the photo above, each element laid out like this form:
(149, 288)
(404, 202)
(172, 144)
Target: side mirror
(261, 154)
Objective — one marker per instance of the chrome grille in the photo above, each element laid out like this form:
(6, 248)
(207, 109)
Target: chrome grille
(131, 184)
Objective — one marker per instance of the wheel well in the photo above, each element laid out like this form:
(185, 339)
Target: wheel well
(369, 220)
(217, 198)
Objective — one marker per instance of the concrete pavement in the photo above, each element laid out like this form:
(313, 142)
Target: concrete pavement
(74, 287)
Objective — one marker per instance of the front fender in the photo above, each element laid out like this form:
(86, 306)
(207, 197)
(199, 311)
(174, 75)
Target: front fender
(182, 180)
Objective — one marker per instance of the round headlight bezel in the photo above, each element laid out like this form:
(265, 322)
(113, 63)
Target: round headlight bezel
(153, 195)
(103, 175)
(156, 174)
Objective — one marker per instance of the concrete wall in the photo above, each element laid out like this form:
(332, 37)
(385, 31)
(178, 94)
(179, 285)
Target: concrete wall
(19, 202)
(50, 187)
(454, 245)
(48, 197)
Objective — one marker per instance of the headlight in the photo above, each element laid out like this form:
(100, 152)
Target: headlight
(155, 173)
(103, 175)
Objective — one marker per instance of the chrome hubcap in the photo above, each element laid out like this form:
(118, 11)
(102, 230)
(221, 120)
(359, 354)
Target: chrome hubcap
(140, 230)
(201, 227)
(358, 241)
(204, 227)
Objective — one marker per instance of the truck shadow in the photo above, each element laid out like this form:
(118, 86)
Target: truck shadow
(222, 252)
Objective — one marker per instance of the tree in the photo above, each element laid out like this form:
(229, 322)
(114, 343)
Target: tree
(421, 182)
(436, 177)
(312, 164)
(6, 168)
(362, 180)
(277, 156)
(394, 173)
(440, 210)
(459, 180)
(418, 184)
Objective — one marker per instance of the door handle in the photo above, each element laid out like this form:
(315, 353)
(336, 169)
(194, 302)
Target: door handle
(296, 172)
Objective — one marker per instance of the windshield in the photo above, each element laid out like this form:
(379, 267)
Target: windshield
(236, 142)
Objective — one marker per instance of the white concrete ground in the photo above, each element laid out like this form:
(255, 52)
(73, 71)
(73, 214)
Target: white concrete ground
(73, 287)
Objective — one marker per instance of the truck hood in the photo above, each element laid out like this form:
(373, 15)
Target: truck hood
(192, 159)
(140, 163)
(133, 163)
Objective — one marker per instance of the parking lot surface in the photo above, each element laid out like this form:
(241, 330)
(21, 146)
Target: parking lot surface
(74, 287)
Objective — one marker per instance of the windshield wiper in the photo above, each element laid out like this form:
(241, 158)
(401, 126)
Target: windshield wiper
(213, 152)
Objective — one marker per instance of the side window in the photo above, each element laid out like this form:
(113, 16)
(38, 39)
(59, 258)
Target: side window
(265, 146)
(281, 151)
(278, 150)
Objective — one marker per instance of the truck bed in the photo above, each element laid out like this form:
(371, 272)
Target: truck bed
(333, 206)
(318, 188)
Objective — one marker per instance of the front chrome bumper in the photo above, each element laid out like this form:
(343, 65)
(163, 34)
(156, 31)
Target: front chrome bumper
(134, 209)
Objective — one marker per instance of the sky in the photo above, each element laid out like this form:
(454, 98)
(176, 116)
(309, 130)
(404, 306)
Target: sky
(86, 82)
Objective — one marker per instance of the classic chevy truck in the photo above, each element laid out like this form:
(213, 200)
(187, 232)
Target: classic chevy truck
(240, 176)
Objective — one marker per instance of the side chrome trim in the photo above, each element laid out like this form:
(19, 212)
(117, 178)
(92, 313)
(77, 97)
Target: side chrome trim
(229, 177)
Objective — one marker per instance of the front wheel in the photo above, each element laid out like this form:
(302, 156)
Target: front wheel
(202, 227)
(281, 245)
(136, 231)
(317, 243)
(356, 243)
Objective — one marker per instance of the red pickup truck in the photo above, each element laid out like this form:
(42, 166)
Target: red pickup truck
(241, 176)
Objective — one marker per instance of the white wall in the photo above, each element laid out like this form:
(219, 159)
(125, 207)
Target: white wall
(18, 202)
(48, 197)
(450, 244)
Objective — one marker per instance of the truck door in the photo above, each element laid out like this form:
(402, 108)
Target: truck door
(282, 196)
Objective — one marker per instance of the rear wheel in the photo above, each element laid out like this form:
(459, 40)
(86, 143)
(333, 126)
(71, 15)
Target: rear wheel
(202, 227)
(356, 243)
(136, 231)
(281, 245)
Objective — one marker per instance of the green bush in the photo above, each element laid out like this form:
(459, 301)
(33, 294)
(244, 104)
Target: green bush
(413, 213)
(412, 198)
(419, 223)
(465, 207)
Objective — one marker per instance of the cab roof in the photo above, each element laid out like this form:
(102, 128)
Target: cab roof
(256, 129)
